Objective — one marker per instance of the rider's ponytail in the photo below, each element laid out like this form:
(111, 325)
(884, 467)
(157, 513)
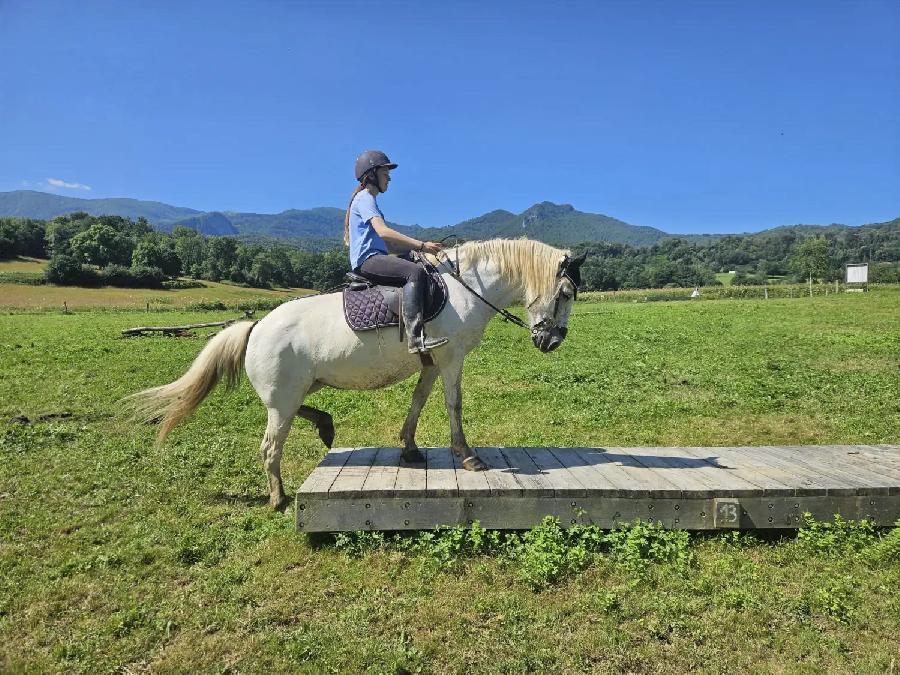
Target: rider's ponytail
(359, 188)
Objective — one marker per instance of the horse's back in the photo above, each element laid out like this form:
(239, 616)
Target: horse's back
(308, 341)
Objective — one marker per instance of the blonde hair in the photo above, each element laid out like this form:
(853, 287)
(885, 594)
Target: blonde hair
(528, 263)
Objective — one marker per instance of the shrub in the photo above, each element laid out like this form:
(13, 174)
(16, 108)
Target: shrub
(133, 277)
(887, 548)
(546, 554)
(178, 284)
(638, 544)
(837, 538)
(67, 271)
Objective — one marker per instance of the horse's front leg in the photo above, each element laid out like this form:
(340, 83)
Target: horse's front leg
(452, 377)
(410, 452)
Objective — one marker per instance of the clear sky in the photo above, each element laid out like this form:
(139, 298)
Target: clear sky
(688, 116)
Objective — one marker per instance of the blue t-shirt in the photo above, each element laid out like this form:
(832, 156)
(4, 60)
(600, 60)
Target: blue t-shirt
(364, 240)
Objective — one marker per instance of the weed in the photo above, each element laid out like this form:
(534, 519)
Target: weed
(836, 599)
(356, 544)
(836, 538)
(887, 548)
(641, 543)
(546, 555)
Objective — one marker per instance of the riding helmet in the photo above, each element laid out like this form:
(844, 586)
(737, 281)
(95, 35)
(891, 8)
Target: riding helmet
(371, 160)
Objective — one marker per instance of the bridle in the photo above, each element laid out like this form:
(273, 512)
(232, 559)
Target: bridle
(573, 274)
(566, 271)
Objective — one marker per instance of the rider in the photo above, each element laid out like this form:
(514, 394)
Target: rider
(369, 237)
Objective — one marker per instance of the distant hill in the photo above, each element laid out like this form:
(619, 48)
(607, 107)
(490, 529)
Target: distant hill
(322, 227)
(43, 205)
(553, 223)
(212, 223)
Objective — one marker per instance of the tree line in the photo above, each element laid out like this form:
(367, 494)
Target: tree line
(112, 250)
(89, 250)
(788, 254)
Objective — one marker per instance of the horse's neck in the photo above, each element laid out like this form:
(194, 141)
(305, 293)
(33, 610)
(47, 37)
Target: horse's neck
(485, 278)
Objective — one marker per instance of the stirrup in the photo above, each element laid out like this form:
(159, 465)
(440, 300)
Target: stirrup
(423, 345)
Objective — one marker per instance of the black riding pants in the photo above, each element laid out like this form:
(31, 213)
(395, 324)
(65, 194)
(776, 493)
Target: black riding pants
(389, 270)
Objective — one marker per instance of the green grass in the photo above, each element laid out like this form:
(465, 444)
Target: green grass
(115, 555)
(724, 278)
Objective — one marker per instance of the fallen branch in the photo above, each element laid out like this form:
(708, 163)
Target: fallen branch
(182, 330)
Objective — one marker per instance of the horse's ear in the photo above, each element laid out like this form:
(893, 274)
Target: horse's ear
(578, 261)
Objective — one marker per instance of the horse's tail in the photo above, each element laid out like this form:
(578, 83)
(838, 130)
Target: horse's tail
(172, 403)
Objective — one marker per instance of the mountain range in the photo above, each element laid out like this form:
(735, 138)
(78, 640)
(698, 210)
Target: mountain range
(323, 227)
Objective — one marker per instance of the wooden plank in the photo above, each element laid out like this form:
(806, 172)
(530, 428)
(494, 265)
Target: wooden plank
(500, 477)
(679, 473)
(410, 480)
(877, 476)
(350, 480)
(699, 469)
(383, 473)
(440, 476)
(774, 455)
(722, 471)
(322, 477)
(527, 473)
(595, 482)
(629, 476)
(470, 483)
(889, 455)
(735, 462)
(754, 460)
(563, 481)
(822, 464)
(858, 455)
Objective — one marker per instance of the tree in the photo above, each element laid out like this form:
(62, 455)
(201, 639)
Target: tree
(156, 250)
(221, 256)
(811, 258)
(62, 229)
(190, 247)
(101, 244)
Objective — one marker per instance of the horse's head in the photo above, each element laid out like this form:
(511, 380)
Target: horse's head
(549, 320)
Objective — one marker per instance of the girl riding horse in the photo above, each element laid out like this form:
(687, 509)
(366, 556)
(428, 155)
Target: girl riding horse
(369, 238)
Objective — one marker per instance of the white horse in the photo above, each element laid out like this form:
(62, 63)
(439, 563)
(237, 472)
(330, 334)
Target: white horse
(305, 345)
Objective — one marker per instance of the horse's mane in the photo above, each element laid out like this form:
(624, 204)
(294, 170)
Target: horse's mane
(530, 264)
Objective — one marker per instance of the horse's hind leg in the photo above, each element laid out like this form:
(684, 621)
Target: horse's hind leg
(277, 429)
(322, 420)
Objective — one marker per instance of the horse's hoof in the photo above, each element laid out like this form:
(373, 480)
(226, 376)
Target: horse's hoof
(412, 456)
(474, 463)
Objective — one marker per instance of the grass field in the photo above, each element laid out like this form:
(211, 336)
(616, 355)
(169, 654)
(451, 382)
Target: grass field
(118, 556)
(23, 264)
(724, 278)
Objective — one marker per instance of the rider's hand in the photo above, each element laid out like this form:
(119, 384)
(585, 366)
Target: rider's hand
(431, 247)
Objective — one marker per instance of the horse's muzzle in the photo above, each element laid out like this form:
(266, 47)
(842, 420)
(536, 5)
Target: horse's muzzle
(548, 340)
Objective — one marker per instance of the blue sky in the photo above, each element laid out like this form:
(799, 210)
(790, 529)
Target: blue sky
(687, 116)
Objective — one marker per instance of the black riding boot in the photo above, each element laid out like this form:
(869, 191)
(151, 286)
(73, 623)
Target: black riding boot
(413, 310)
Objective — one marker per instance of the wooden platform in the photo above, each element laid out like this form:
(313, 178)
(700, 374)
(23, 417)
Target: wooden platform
(689, 488)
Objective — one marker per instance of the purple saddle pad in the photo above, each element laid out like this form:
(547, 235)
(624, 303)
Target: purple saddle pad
(370, 308)
(379, 306)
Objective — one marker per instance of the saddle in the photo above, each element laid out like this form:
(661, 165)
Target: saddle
(368, 306)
